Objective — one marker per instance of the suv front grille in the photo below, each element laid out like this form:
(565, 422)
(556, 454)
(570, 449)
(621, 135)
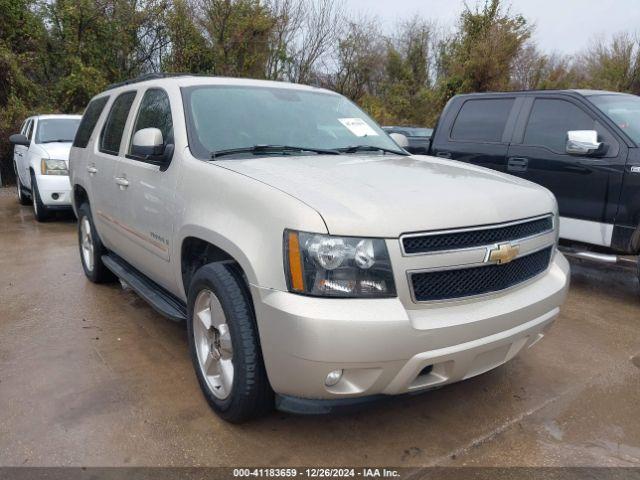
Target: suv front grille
(474, 238)
(467, 282)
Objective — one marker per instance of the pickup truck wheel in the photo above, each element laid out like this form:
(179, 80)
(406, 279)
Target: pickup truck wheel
(91, 248)
(225, 347)
(40, 211)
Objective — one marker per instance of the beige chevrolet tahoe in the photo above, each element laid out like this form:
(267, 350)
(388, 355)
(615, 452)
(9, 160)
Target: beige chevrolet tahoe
(315, 262)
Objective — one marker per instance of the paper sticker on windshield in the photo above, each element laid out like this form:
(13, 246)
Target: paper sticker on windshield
(358, 127)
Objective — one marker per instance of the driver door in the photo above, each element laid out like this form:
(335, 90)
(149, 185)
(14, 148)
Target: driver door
(587, 188)
(20, 154)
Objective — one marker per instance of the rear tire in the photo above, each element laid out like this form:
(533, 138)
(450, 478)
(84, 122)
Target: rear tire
(225, 346)
(40, 210)
(91, 248)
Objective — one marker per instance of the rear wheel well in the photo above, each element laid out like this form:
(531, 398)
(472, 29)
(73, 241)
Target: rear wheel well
(80, 196)
(196, 253)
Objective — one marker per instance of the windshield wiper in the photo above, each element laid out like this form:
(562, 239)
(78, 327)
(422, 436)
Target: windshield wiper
(58, 140)
(271, 149)
(370, 148)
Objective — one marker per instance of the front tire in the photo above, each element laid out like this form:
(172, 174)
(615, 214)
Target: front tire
(91, 248)
(40, 210)
(225, 347)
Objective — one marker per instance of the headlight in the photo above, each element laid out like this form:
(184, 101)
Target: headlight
(54, 167)
(329, 266)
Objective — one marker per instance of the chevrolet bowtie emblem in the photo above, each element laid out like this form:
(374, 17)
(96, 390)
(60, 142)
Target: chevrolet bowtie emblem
(503, 253)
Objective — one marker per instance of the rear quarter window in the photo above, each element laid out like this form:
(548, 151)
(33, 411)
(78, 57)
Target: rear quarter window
(482, 120)
(88, 122)
(114, 126)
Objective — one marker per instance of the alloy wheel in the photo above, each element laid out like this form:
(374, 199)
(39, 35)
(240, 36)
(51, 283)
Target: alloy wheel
(212, 339)
(86, 243)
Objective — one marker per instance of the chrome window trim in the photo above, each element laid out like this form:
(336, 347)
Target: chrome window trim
(478, 228)
(410, 273)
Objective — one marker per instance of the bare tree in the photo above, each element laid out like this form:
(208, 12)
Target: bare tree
(528, 68)
(359, 60)
(288, 18)
(317, 39)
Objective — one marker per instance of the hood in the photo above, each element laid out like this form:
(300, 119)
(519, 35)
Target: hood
(56, 150)
(386, 196)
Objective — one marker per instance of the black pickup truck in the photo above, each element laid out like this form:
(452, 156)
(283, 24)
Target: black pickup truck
(581, 145)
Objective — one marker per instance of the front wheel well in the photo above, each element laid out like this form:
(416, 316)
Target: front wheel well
(196, 253)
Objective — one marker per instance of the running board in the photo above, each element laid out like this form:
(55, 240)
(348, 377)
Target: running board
(625, 261)
(162, 301)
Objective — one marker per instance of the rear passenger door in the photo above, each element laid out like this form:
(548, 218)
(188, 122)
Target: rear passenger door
(102, 167)
(146, 197)
(480, 132)
(587, 188)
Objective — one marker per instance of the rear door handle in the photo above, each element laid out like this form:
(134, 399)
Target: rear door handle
(19, 154)
(443, 154)
(122, 182)
(517, 164)
(92, 170)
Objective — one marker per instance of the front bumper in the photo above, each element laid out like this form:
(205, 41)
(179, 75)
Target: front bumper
(51, 186)
(385, 348)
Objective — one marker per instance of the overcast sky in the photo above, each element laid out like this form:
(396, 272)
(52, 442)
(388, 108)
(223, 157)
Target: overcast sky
(565, 26)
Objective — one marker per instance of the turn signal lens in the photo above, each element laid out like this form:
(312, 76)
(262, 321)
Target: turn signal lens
(295, 263)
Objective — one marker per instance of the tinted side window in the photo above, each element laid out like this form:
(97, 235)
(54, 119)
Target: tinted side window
(551, 119)
(155, 112)
(114, 126)
(88, 122)
(482, 120)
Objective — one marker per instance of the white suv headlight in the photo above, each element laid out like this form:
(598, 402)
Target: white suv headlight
(50, 166)
(330, 266)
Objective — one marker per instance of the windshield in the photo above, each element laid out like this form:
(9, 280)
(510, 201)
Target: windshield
(56, 130)
(231, 117)
(624, 110)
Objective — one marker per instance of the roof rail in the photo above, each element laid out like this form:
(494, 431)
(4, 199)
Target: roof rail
(145, 77)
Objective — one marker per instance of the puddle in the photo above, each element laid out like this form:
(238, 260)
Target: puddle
(636, 360)
(554, 429)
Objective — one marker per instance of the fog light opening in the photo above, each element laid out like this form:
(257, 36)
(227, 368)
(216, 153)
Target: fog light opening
(55, 196)
(333, 378)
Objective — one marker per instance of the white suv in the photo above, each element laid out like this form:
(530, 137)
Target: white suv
(40, 160)
(315, 262)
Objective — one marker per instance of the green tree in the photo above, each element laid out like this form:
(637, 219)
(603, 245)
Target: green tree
(479, 57)
(238, 32)
(23, 71)
(189, 51)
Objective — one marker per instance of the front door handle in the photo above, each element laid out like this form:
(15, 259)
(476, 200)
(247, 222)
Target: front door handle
(19, 154)
(444, 154)
(122, 182)
(517, 164)
(92, 170)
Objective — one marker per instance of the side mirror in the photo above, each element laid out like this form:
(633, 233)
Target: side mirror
(19, 139)
(147, 142)
(400, 139)
(584, 143)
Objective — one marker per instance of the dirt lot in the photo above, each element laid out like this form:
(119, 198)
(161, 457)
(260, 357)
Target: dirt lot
(90, 375)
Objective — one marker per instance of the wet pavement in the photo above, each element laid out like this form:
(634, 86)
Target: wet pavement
(90, 375)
